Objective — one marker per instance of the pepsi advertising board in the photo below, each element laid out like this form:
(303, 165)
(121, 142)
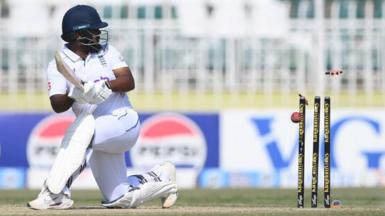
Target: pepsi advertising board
(31, 142)
(188, 140)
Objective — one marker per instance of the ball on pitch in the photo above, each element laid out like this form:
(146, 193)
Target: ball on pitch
(295, 117)
(336, 204)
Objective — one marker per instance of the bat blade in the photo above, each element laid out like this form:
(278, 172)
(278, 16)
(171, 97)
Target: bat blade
(64, 69)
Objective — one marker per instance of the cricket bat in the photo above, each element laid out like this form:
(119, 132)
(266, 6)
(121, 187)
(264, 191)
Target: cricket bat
(64, 69)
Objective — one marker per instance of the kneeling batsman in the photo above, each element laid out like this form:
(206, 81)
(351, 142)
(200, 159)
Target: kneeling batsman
(159, 182)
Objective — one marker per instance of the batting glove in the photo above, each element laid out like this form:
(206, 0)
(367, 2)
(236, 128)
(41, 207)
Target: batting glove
(77, 94)
(96, 93)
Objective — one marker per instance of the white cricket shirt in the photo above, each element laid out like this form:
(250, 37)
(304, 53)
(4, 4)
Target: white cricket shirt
(96, 67)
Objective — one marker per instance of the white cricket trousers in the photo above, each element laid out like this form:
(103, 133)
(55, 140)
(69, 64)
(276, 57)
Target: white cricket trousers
(114, 135)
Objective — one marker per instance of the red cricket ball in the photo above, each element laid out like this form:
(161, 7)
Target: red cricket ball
(295, 117)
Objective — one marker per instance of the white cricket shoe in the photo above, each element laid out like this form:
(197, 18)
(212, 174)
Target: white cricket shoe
(169, 169)
(48, 200)
(162, 185)
(136, 196)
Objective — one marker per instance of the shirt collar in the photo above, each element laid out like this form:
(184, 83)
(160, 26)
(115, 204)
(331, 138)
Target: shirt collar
(71, 55)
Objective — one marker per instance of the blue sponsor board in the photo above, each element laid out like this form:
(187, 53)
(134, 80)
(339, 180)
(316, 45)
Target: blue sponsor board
(16, 129)
(12, 178)
(212, 178)
(217, 178)
(208, 130)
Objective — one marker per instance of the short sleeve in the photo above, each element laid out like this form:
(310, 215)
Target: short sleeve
(57, 84)
(115, 59)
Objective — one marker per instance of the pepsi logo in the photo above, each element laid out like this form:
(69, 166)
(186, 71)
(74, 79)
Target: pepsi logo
(45, 139)
(169, 137)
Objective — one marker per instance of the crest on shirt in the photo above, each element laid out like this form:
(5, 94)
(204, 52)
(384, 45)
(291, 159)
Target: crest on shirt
(49, 85)
(102, 60)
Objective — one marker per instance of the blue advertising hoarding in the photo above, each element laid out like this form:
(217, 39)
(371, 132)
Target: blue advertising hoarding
(31, 140)
(15, 129)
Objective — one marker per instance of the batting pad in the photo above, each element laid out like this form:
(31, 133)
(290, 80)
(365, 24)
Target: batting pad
(72, 152)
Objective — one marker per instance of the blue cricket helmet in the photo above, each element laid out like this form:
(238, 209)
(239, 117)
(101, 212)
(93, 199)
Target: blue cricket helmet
(81, 17)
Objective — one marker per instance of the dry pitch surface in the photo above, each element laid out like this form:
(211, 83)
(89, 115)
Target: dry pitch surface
(211, 202)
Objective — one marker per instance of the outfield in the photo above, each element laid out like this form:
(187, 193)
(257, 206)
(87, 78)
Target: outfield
(212, 202)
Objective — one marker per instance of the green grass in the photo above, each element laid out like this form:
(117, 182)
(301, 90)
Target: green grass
(359, 201)
(201, 102)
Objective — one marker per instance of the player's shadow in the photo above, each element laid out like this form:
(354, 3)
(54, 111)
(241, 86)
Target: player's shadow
(97, 207)
(89, 207)
(102, 207)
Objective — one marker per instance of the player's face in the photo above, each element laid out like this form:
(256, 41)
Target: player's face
(94, 35)
(95, 39)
